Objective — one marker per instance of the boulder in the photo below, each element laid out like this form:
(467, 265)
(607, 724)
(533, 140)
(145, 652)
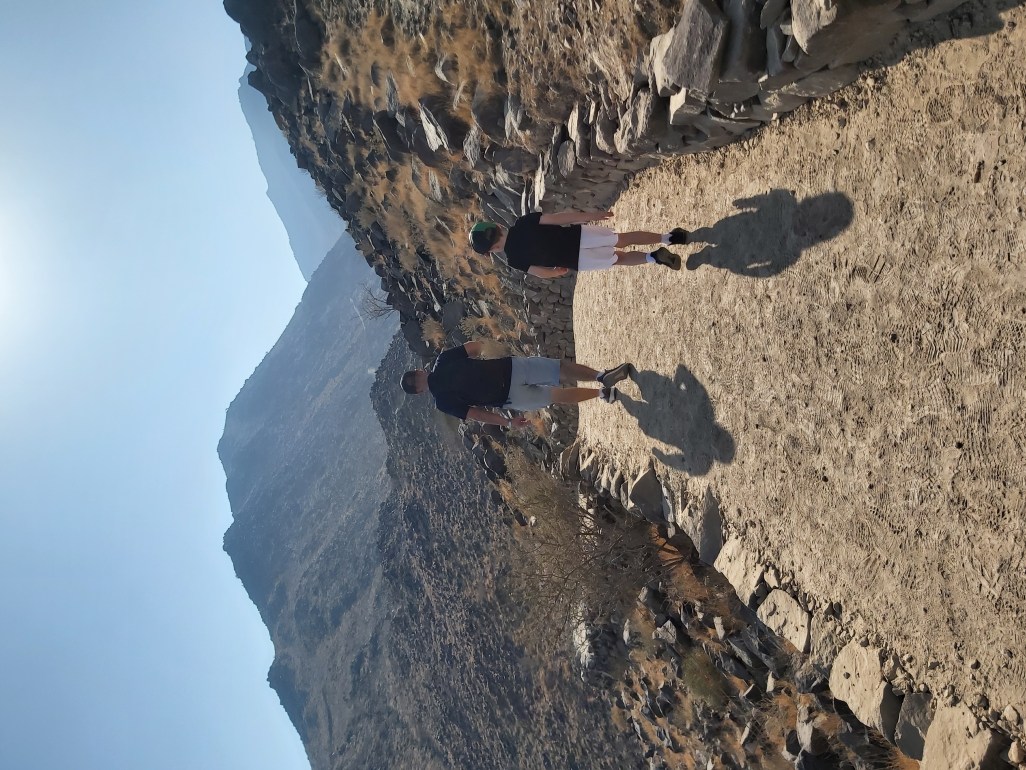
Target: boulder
(434, 132)
(684, 105)
(813, 733)
(646, 495)
(703, 524)
(740, 569)
(782, 613)
(660, 78)
(744, 55)
(824, 642)
(913, 724)
(566, 158)
(845, 31)
(692, 57)
(857, 678)
(956, 742)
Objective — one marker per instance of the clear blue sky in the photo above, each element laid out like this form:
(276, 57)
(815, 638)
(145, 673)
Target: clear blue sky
(143, 275)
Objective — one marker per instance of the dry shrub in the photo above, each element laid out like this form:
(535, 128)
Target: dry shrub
(432, 333)
(574, 558)
(702, 679)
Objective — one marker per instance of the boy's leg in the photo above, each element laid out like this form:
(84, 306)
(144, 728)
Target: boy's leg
(571, 371)
(573, 395)
(637, 238)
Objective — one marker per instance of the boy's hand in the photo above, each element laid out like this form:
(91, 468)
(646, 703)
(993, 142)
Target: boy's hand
(519, 422)
(603, 215)
(559, 272)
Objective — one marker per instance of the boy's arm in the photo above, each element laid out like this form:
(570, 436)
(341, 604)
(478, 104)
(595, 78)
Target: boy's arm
(547, 272)
(473, 349)
(574, 217)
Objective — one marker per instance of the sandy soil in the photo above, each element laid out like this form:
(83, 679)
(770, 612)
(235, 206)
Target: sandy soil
(846, 366)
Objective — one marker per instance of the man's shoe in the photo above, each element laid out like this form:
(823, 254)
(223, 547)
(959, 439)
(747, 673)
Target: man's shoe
(667, 258)
(609, 395)
(610, 377)
(678, 236)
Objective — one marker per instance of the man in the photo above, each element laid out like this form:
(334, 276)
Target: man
(470, 388)
(551, 245)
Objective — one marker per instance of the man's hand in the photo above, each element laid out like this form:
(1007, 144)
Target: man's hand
(600, 215)
(519, 422)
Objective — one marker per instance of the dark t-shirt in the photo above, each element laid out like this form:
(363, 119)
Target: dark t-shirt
(459, 382)
(532, 244)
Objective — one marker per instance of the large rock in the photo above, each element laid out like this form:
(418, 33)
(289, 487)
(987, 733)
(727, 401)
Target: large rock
(782, 613)
(824, 642)
(702, 522)
(956, 742)
(857, 679)
(844, 31)
(740, 569)
(436, 136)
(744, 57)
(692, 57)
(913, 724)
(646, 495)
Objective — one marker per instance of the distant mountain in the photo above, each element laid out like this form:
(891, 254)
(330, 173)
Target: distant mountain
(312, 225)
(376, 553)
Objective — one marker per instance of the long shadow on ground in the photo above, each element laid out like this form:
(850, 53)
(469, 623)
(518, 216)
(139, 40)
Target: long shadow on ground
(678, 413)
(770, 232)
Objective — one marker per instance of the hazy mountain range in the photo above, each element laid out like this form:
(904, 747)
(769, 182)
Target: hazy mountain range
(312, 225)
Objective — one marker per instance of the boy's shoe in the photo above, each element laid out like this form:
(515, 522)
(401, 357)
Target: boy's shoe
(678, 236)
(665, 257)
(609, 394)
(610, 377)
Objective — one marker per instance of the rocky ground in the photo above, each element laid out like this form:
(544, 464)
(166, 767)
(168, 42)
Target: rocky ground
(844, 369)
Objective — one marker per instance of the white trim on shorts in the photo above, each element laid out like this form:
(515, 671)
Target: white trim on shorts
(597, 250)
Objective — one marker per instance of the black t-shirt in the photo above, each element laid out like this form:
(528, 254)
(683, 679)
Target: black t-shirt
(459, 382)
(532, 244)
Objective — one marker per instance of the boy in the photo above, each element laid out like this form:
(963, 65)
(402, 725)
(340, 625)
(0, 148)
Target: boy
(469, 387)
(551, 245)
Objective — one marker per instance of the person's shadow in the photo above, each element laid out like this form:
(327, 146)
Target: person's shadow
(678, 413)
(770, 232)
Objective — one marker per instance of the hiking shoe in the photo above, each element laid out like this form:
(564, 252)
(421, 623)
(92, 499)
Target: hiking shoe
(610, 377)
(678, 236)
(667, 258)
(609, 394)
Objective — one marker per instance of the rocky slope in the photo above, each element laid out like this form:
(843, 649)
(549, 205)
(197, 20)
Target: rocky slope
(376, 555)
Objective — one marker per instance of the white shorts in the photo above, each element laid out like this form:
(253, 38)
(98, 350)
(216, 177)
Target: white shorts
(532, 381)
(597, 248)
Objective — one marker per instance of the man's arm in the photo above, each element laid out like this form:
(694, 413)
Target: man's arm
(574, 217)
(491, 418)
(547, 272)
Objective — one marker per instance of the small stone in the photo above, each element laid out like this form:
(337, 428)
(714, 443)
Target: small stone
(1010, 715)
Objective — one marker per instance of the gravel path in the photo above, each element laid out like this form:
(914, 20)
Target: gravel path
(846, 366)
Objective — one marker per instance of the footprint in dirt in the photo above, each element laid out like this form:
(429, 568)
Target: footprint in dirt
(770, 232)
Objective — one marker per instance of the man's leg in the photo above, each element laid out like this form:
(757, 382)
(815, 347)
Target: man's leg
(573, 395)
(637, 238)
(571, 371)
(630, 258)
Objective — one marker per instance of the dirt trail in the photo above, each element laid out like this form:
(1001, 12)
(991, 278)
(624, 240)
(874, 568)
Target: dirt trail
(846, 369)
